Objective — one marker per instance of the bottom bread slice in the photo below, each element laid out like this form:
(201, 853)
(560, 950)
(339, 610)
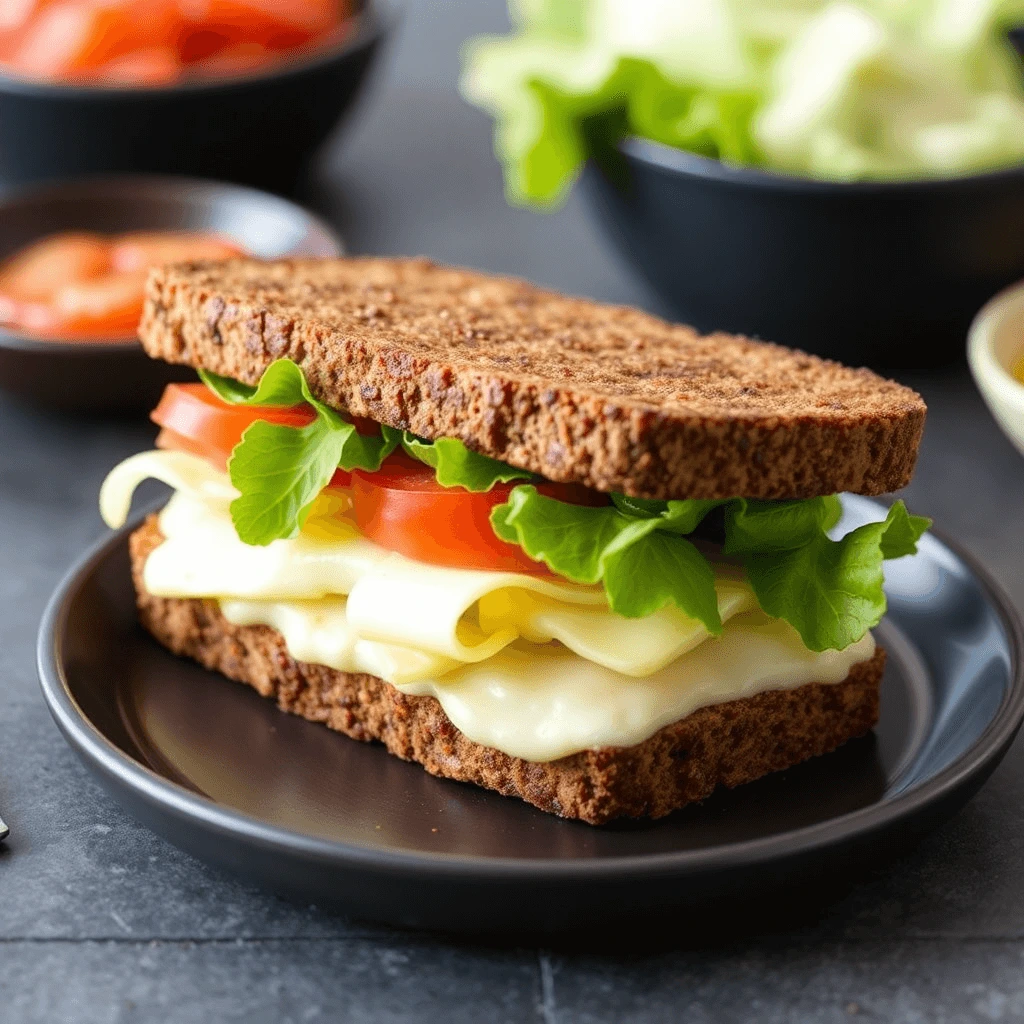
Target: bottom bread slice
(722, 745)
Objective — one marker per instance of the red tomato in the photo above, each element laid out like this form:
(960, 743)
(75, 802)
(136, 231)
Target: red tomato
(16, 14)
(196, 420)
(140, 250)
(403, 508)
(75, 38)
(156, 65)
(84, 286)
(101, 307)
(37, 273)
(155, 42)
(261, 20)
(234, 61)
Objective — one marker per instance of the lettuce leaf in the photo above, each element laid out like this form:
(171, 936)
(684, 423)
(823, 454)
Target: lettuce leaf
(547, 123)
(642, 559)
(279, 470)
(829, 591)
(839, 91)
(455, 465)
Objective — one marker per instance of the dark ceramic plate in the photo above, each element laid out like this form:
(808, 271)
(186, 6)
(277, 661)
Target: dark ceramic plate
(292, 806)
(118, 375)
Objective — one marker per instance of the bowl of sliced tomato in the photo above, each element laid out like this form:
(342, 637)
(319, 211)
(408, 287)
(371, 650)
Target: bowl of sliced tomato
(242, 90)
(73, 264)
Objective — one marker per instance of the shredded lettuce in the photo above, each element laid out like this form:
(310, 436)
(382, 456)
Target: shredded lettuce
(639, 550)
(836, 90)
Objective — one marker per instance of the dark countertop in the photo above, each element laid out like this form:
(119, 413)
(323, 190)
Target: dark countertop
(101, 921)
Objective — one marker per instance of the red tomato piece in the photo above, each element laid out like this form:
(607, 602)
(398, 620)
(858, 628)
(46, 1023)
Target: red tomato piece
(234, 61)
(255, 20)
(144, 249)
(403, 508)
(16, 14)
(101, 307)
(86, 286)
(38, 272)
(195, 420)
(75, 38)
(157, 65)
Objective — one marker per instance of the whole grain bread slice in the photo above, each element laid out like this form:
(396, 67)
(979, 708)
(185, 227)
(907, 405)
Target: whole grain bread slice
(571, 389)
(723, 745)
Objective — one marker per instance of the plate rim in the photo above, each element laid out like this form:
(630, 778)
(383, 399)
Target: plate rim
(171, 798)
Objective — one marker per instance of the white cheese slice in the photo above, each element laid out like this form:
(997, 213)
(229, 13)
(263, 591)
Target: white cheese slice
(455, 615)
(534, 666)
(544, 703)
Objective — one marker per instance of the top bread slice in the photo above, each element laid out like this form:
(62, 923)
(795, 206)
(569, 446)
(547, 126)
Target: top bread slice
(574, 390)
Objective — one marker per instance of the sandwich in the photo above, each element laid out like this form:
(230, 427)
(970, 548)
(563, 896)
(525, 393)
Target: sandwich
(562, 550)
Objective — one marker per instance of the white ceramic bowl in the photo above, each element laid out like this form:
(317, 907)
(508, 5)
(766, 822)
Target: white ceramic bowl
(995, 345)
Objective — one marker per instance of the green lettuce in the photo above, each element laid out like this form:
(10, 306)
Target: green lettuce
(454, 464)
(639, 550)
(280, 470)
(830, 591)
(867, 89)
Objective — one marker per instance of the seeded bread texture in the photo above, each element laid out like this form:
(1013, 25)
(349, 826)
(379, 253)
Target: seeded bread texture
(574, 390)
(723, 745)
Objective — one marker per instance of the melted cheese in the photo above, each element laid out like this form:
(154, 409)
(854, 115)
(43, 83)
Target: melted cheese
(535, 666)
(544, 703)
(457, 615)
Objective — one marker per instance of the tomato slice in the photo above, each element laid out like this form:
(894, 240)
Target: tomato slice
(101, 307)
(195, 420)
(234, 61)
(69, 39)
(403, 508)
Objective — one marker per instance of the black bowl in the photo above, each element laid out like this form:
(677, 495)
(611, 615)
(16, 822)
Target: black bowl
(261, 130)
(886, 273)
(117, 376)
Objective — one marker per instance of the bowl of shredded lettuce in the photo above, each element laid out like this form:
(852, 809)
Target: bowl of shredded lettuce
(846, 176)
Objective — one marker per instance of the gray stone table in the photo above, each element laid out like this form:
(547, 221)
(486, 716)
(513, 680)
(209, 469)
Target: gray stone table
(101, 921)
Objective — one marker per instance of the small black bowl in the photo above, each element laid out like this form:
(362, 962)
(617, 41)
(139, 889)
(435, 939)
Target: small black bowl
(117, 376)
(885, 273)
(261, 130)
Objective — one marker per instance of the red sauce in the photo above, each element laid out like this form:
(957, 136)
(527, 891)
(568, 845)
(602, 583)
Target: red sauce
(160, 42)
(79, 286)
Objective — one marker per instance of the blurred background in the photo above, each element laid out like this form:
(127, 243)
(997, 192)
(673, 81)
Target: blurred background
(352, 132)
(843, 177)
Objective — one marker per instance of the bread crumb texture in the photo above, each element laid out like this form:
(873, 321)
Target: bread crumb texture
(574, 390)
(723, 745)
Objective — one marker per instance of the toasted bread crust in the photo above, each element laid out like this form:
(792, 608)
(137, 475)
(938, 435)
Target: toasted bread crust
(724, 745)
(571, 389)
